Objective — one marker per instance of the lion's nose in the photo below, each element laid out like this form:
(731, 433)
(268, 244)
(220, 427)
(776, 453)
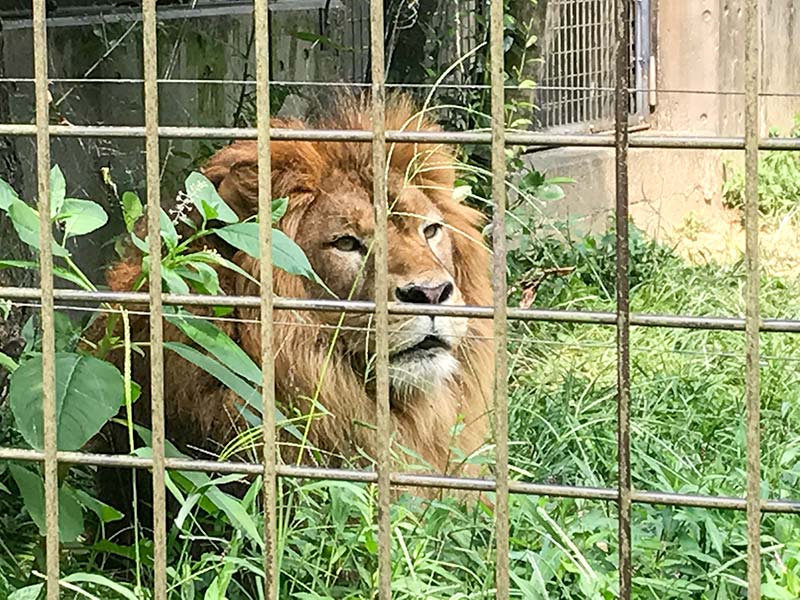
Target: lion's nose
(424, 294)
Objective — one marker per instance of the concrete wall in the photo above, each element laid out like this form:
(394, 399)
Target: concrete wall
(699, 46)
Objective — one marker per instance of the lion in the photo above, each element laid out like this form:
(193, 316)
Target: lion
(440, 368)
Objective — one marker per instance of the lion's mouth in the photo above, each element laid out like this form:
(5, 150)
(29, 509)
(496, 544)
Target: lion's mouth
(428, 344)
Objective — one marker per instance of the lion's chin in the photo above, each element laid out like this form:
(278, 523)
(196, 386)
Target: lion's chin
(421, 371)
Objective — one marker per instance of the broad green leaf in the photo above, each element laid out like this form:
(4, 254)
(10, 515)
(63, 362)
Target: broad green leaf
(209, 203)
(140, 243)
(89, 392)
(26, 223)
(132, 210)
(175, 284)
(168, 233)
(549, 193)
(106, 547)
(67, 333)
(31, 592)
(236, 513)
(58, 191)
(70, 516)
(714, 536)
(222, 311)
(203, 275)
(216, 259)
(218, 589)
(208, 336)
(7, 195)
(560, 180)
(279, 207)
(34, 266)
(8, 363)
(773, 591)
(101, 581)
(81, 217)
(104, 512)
(286, 254)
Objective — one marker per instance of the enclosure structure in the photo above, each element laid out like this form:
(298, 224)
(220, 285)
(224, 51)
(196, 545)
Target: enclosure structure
(624, 495)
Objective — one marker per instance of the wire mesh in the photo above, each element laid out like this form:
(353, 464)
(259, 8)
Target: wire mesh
(577, 87)
(623, 495)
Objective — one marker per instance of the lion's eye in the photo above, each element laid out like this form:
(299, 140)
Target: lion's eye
(432, 230)
(347, 243)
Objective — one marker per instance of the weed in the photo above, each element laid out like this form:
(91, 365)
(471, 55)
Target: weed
(778, 181)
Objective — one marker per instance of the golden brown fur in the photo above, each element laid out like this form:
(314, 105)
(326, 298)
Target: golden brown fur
(323, 180)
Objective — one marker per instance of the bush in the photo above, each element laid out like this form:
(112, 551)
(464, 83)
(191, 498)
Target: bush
(778, 181)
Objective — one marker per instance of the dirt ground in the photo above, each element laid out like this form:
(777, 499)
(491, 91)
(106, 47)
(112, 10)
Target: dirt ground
(709, 232)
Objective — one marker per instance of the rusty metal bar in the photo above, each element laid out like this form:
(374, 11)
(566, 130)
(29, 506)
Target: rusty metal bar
(406, 85)
(50, 432)
(269, 447)
(515, 138)
(752, 84)
(724, 323)
(153, 183)
(380, 248)
(621, 137)
(787, 506)
(499, 286)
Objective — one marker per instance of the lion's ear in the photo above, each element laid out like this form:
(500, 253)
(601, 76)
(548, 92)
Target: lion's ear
(234, 172)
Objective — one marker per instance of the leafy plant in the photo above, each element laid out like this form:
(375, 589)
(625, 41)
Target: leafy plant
(89, 390)
(778, 181)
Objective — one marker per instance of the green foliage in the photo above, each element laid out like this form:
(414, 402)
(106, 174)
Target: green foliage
(688, 437)
(687, 411)
(687, 420)
(778, 181)
(70, 515)
(89, 391)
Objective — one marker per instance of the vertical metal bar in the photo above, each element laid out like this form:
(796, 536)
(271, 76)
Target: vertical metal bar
(500, 293)
(271, 574)
(381, 298)
(150, 53)
(48, 310)
(621, 98)
(752, 83)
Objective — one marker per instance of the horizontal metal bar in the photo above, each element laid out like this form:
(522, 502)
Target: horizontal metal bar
(432, 137)
(395, 308)
(104, 15)
(406, 479)
(406, 85)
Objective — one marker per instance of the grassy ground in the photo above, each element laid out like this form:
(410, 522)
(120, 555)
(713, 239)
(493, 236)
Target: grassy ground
(687, 436)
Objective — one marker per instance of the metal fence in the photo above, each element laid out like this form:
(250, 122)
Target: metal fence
(623, 495)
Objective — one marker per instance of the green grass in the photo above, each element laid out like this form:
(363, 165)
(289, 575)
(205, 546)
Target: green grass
(688, 432)
(687, 419)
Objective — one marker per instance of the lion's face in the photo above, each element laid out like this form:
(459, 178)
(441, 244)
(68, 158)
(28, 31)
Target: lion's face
(337, 230)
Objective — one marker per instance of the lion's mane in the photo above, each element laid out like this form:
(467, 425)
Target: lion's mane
(199, 409)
